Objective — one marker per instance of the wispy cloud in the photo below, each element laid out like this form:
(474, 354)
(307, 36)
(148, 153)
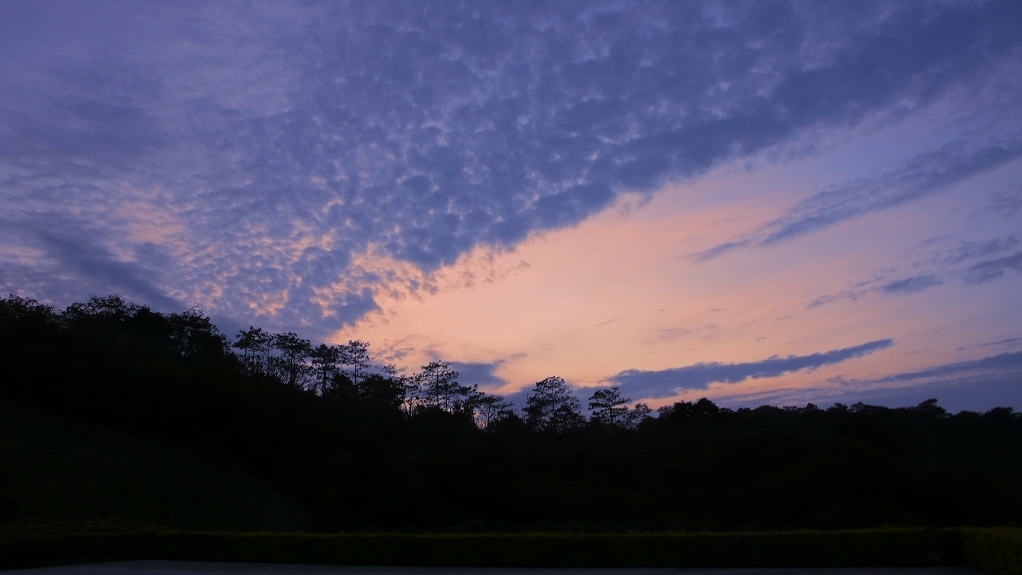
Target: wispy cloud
(921, 176)
(1008, 204)
(938, 267)
(668, 382)
(1008, 341)
(911, 284)
(979, 248)
(995, 268)
(1004, 362)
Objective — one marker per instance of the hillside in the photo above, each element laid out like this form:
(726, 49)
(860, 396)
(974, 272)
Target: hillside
(53, 469)
(369, 453)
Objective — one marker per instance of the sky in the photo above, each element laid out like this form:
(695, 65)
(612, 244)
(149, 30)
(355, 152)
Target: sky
(755, 202)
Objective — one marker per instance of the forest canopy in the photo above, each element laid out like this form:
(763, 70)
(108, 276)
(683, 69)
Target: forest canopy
(363, 445)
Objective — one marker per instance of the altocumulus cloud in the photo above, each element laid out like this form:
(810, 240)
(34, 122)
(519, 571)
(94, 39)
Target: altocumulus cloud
(258, 150)
(668, 382)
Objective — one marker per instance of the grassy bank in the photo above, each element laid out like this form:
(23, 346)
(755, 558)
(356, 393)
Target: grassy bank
(997, 550)
(992, 550)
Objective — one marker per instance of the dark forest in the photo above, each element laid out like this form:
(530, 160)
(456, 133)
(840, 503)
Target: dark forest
(365, 447)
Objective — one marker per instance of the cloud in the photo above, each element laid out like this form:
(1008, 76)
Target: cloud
(979, 393)
(938, 266)
(704, 331)
(995, 268)
(674, 333)
(66, 246)
(1009, 203)
(911, 284)
(1001, 363)
(668, 382)
(973, 249)
(292, 138)
(921, 176)
(94, 263)
(1009, 341)
(720, 250)
(477, 373)
(851, 294)
(976, 385)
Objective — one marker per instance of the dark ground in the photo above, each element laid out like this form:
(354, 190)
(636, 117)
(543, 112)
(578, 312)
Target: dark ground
(201, 568)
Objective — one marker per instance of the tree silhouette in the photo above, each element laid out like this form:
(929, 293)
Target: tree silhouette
(255, 346)
(640, 412)
(438, 386)
(356, 356)
(345, 453)
(324, 365)
(110, 307)
(491, 409)
(382, 391)
(550, 406)
(292, 363)
(608, 408)
(195, 337)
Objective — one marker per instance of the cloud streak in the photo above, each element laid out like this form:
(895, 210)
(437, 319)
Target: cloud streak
(1000, 364)
(921, 176)
(911, 284)
(939, 267)
(668, 382)
(995, 268)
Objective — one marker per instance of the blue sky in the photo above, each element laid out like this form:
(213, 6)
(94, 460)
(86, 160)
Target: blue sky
(522, 188)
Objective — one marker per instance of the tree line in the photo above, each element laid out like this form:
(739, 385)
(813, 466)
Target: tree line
(344, 371)
(365, 446)
(349, 371)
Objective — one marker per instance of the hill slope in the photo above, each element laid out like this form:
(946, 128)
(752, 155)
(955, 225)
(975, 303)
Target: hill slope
(52, 469)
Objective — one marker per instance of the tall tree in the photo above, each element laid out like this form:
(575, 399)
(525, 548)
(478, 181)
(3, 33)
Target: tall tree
(490, 409)
(403, 386)
(356, 356)
(324, 365)
(110, 307)
(550, 406)
(438, 385)
(255, 346)
(608, 408)
(13, 308)
(293, 366)
(640, 412)
(382, 391)
(195, 337)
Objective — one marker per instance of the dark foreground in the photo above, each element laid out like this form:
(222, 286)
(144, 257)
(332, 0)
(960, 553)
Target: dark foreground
(202, 567)
(115, 411)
